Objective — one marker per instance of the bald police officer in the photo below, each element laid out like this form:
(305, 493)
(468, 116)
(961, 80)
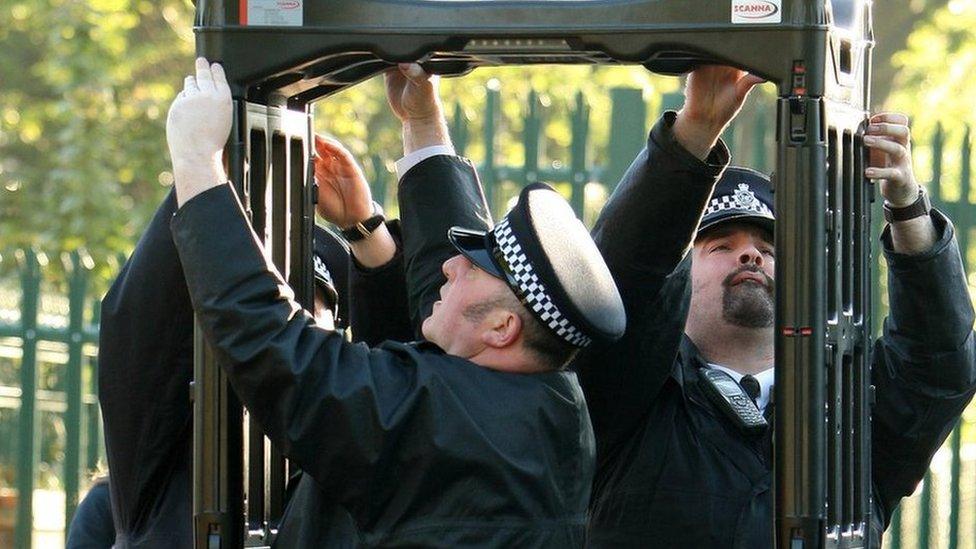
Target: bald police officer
(473, 439)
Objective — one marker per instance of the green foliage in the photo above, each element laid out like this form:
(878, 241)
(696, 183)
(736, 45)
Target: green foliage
(86, 85)
(937, 75)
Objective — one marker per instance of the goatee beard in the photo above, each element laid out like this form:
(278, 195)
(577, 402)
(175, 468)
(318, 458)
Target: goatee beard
(748, 304)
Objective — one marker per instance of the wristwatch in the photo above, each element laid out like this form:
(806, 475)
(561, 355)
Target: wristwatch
(364, 229)
(920, 207)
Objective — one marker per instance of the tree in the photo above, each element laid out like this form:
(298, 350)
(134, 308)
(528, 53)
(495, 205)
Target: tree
(83, 104)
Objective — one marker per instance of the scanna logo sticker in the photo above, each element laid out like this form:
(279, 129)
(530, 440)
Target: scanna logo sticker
(757, 11)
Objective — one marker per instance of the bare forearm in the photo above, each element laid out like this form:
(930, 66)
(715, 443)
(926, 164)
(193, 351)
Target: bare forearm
(193, 176)
(376, 250)
(913, 236)
(697, 137)
(421, 133)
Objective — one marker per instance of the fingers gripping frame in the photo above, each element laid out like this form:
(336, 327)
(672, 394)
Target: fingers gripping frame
(818, 54)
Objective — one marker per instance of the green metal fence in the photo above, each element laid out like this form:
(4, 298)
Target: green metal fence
(49, 423)
(48, 329)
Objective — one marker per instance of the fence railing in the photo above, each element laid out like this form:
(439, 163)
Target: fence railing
(50, 338)
(56, 331)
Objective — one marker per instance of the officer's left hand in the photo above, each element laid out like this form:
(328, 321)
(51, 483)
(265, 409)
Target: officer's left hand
(197, 127)
(412, 94)
(888, 138)
(344, 197)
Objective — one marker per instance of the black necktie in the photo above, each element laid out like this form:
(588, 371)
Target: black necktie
(751, 386)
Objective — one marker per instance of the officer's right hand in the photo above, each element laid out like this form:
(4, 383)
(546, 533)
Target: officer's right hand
(714, 94)
(197, 127)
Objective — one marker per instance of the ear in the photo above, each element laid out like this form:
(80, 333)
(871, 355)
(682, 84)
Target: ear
(502, 328)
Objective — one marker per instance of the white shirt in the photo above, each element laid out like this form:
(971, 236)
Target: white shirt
(416, 157)
(765, 378)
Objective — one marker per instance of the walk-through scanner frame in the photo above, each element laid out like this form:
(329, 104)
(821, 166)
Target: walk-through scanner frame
(281, 55)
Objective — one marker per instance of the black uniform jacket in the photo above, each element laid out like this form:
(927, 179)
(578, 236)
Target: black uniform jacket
(422, 448)
(146, 365)
(672, 471)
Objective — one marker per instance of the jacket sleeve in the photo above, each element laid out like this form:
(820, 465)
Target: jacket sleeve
(379, 311)
(144, 374)
(644, 232)
(331, 405)
(923, 370)
(438, 193)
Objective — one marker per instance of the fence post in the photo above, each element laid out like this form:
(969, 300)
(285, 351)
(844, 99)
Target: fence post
(672, 101)
(760, 159)
(961, 214)
(577, 154)
(894, 529)
(925, 511)
(459, 130)
(531, 134)
(956, 444)
(488, 175)
(379, 186)
(30, 271)
(628, 114)
(77, 265)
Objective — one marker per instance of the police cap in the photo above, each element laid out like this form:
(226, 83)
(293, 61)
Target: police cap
(546, 256)
(741, 194)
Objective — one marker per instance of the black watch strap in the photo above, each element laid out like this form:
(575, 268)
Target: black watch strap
(920, 207)
(363, 229)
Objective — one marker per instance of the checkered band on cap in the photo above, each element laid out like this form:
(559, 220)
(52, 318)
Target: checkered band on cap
(321, 271)
(532, 290)
(742, 199)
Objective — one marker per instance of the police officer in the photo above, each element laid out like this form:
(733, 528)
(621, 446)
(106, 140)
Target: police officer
(146, 365)
(474, 439)
(673, 468)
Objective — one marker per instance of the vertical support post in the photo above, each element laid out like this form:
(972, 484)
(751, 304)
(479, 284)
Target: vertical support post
(628, 114)
(217, 421)
(30, 279)
(800, 323)
(77, 265)
(581, 130)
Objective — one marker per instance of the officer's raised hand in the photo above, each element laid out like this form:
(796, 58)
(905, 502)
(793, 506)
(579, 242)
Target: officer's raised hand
(714, 94)
(345, 200)
(412, 94)
(889, 140)
(197, 127)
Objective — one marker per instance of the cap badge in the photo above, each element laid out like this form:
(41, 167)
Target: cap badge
(745, 198)
(321, 271)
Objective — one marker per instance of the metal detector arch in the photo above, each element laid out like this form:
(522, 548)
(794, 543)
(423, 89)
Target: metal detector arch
(280, 56)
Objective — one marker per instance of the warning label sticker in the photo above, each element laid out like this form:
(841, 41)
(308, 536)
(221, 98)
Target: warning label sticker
(757, 11)
(274, 13)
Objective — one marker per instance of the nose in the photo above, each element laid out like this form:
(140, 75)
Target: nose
(751, 255)
(450, 267)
